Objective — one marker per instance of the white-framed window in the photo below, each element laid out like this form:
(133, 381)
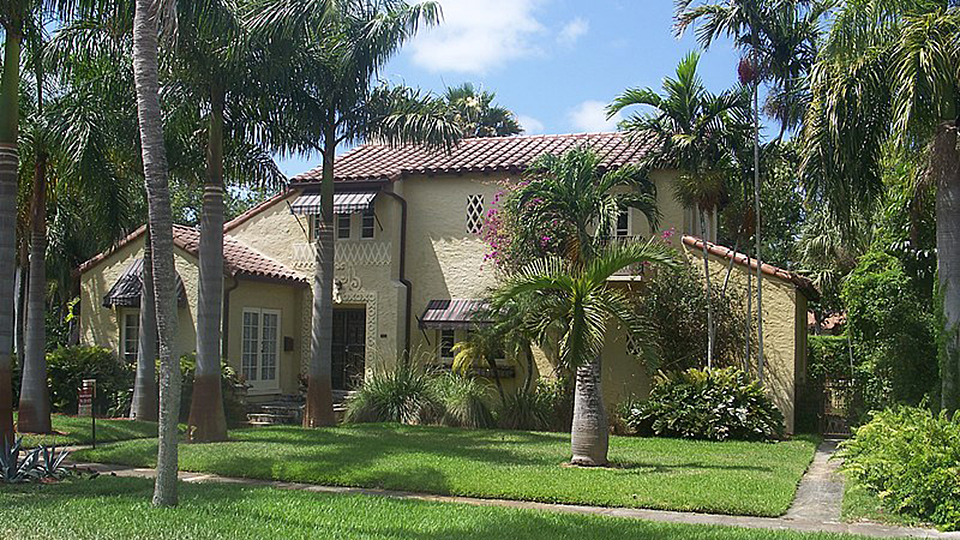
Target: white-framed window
(621, 228)
(474, 213)
(447, 339)
(367, 224)
(315, 222)
(343, 226)
(260, 351)
(131, 336)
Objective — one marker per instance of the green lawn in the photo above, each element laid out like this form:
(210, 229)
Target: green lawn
(74, 430)
(730, 477)
(108, 508)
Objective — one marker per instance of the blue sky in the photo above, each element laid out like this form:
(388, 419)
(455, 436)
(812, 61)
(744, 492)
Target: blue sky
(555, 63)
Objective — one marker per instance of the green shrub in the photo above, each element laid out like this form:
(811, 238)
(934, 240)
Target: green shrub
(232, 389)
(717, 404)
(464, 401)
(68, 366)
(547, 407)
(911, 459)
(404, 394)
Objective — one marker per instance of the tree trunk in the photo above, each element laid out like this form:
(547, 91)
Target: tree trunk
(756, 209)
(706, 275)
(145, 43)
(528, 378)
(945, 166)
(747, 331)
(207, 421)
(589, 435)
(144, 405)
(23, 280)
(9, 161)
(319, 406)
(34, 412)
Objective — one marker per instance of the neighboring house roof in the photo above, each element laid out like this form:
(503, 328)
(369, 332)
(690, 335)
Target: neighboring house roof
(382, 162)
(126, 291)
(239, 260)
(803, 284)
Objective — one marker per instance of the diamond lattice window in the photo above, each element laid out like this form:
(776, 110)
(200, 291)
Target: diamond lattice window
(474, 213)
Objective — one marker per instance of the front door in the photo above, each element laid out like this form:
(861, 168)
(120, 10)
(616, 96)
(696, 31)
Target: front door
(260, 359)
(349, 347)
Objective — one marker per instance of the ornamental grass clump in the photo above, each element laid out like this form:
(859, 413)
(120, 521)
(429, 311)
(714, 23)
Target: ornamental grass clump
(712, 404)
(464, 401)
(910, 458)
(404, 394)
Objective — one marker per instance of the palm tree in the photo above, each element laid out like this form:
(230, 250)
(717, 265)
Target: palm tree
(145, 72)
(575, 298)
(333, 98)
(694, 132)
(888, 73)
(476, 114)
(570, 194)
(144, 404)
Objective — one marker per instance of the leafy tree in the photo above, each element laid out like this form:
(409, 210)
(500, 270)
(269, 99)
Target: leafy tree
(888, 74)
(477, 115)
(695, 132)
(330, 96)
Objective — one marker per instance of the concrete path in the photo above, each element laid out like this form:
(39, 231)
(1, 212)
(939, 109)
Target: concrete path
(820, 494)
(803, 515)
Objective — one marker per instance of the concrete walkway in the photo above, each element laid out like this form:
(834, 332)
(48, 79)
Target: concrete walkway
(816, 508)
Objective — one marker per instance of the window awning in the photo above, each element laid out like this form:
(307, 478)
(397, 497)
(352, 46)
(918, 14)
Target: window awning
(126, 291)
(456, 313)
(343, 203)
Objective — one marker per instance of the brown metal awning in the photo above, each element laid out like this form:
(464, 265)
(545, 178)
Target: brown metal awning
(456, 313)
(343, 203)
(126, 291)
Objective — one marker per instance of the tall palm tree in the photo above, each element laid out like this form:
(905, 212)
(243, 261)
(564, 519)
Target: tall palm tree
(888, 73)
(144, 404)
(145, 71)
(576, 298)
(477, 115)
(695, 132)
(570, 193)
(334, 98)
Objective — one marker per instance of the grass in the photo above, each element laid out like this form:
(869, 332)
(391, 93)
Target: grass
(108, 508)
(76, 430)
(861, 504)
(729, 477)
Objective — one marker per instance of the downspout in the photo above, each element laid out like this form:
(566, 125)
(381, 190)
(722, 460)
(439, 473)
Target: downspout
(225, 320)
(403, 270)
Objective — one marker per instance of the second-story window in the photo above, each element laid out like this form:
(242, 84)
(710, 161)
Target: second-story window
(623, 224)
(343, 226)
(474, 213)
(367, 225)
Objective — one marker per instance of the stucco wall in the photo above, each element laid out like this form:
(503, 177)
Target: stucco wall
(784, 329)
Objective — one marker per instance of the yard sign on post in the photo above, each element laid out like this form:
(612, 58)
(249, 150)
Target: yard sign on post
(87, 392)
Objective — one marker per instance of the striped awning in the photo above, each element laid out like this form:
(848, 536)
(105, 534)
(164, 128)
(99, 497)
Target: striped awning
(343, 203)
(456, 313)
(126, 291)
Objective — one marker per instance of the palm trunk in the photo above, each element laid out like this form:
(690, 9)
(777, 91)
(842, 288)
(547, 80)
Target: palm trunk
(747, 332)
(23, 279)
(528, 378)
(756, 207)
(144, 405)
(706, 274)
(9, 160)
(319, 406)
(34, 412)
(145, 43)
(207, 421)
(945, 166)
(589, 436)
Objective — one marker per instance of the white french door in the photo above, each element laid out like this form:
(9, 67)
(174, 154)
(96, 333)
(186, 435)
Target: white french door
(260, 357)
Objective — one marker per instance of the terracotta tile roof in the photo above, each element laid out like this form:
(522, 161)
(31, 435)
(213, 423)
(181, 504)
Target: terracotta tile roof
(381, 162)
(239, 260)
(802, 283)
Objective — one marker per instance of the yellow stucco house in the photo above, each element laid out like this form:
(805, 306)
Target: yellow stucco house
(409, 268)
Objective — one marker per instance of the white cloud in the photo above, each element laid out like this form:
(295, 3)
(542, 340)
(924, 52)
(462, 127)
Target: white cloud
(572, 31)
(591, 115)
(531, 126)
(475, 37)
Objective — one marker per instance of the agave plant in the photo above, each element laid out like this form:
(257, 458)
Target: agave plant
(51, 462)
(13, 470)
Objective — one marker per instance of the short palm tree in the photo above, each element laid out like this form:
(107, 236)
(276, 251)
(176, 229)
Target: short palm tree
(888, 73)
(330, 95)
(477, 115)
(694, 132)
(576, 299)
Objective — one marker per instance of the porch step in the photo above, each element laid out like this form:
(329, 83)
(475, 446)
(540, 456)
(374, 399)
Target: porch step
(288, 409)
